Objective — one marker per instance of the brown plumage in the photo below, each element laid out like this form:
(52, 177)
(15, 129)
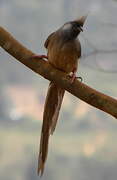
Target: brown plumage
(64, 51)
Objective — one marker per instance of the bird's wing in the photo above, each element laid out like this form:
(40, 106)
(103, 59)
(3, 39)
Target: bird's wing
(48, 40)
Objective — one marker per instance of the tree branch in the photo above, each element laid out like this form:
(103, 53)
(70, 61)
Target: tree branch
(40, 66)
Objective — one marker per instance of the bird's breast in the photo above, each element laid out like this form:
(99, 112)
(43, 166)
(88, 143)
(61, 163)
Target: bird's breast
(63, 56)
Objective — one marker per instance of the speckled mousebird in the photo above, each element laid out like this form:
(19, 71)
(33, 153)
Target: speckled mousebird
(63, 53)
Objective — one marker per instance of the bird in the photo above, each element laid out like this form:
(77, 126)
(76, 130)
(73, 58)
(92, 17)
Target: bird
(63, 53)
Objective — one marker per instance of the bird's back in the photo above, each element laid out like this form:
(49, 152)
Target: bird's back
(62, 53)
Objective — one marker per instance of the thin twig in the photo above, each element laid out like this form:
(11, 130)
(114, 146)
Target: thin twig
(40, 66)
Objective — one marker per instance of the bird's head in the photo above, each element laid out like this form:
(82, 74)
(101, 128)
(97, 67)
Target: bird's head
(73, 28)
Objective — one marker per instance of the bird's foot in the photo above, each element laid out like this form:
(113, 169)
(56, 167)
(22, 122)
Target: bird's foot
(73, 76)
(39, 57)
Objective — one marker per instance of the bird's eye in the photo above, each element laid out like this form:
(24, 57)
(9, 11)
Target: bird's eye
(75, 26)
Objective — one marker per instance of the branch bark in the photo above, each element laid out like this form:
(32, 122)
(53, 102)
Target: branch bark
(42, 67)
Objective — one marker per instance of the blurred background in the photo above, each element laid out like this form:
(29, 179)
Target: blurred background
(84, 144)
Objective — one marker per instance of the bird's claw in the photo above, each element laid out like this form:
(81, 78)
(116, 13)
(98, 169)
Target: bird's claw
(81, 79)
(73, 77)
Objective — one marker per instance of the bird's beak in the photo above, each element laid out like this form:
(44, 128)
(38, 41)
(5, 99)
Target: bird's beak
(80, 28)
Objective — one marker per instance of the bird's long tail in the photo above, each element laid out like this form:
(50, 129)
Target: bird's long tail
(51, 112)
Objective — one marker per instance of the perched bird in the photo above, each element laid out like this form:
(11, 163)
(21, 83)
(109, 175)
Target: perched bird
(63, 53)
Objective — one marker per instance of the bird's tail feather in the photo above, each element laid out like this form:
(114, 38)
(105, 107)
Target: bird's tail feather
(51, 112)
